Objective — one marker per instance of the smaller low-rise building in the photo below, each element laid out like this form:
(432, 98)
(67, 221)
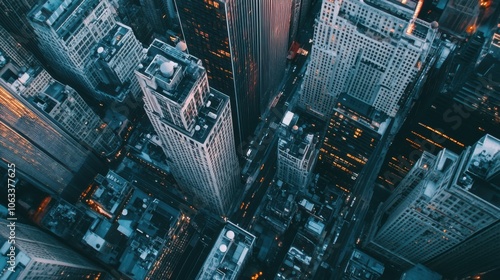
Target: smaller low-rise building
(297, 151)
(362, 266)
(228, 255)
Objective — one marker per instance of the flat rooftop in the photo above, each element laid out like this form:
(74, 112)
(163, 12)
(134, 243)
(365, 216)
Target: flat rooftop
(300, 137)
(108, 193)
(362, 113)
(64, 16)
(483, 163)
(175, 72)
(232, 248)
(403, 9)
(112, 42)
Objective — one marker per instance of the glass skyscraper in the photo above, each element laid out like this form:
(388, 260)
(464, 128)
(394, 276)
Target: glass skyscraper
(243, 46)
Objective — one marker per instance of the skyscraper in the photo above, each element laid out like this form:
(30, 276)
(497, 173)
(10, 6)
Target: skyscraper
(72, 33)
(44, 154)
(67, 108)
(353, 132)
(194, 124)
(450, 113)
(61, 103)
(475, 256)
(449, 205)
(243, 46)
(460, 17)
(370, 50)
(14, 20)
(13, 49)
(40, 256)
(161, 13)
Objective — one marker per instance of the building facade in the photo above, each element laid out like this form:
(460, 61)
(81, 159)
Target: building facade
(353, 132)
(460, 17)
(44, 154)
(448, 206)
(472, 257)
(194, 124)
(39, 255)
(243, 46)
(13, 49)
(14, 20)
(370, 50)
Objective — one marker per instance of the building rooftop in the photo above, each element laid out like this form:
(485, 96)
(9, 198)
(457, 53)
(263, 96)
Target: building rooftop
(112, 42)
(175, 72)
(64, 16)
(232, 248)
(404, 9)
(53, 94)
(302, 249)
(281, 205)
(483, 162)
(299, 137)
(108, 194)
(18, 78)
(209, 114)
(150, 233)
(362, 266)
(420, 272)
(64, 219)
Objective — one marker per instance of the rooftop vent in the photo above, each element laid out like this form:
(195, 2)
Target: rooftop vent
(181, 46)
(223, 248)
(230, 234)
(167, 68)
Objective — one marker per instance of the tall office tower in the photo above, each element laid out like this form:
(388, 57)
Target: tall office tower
(297, 151)
(451, 113)
(243, 46)
(454, 201)
(460, 17)
(475, 256)
(294, 21)
(161, 14)
(300, 9)
(495, 42)
(193, 122)
(67, 108)
(229, 254)
(131, 14)
(39, 255)
(14, 50)
(14, 20)
(370, 50)
(25, 80)
(71, 32)
(352, 135)
(44, 154)
(61, 103)
(420, 272)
